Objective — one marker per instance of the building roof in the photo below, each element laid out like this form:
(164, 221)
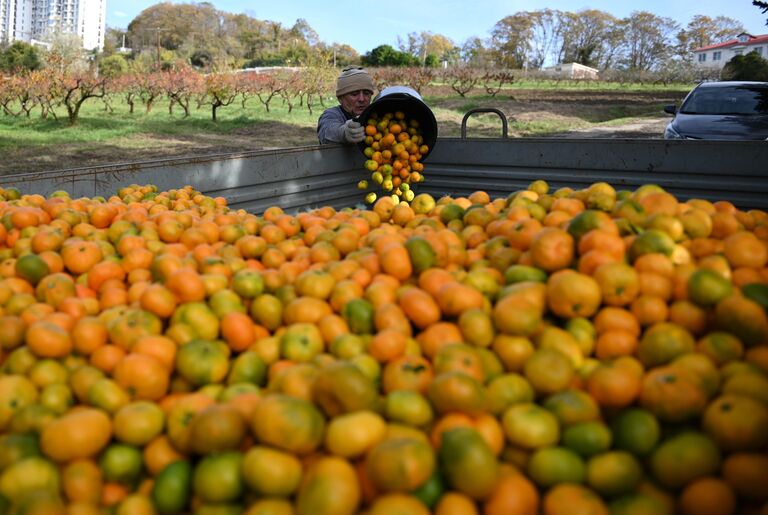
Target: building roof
(753, 40)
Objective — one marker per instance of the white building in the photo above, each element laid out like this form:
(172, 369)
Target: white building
(572, 71)
(28, 20)
(715, 56)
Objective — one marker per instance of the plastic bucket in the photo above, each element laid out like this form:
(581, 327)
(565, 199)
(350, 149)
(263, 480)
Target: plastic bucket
(407, 100)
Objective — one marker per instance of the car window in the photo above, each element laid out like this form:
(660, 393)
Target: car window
(741, 100)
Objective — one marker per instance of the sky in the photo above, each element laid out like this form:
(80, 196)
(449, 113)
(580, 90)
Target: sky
(366, 25)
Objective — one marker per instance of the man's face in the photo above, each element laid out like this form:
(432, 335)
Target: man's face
(355, 102)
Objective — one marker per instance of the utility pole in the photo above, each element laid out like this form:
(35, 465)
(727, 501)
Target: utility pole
(157, 30)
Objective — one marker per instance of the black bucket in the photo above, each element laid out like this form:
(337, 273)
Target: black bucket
(407, 100)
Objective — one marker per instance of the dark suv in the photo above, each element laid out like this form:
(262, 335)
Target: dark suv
(732, 110)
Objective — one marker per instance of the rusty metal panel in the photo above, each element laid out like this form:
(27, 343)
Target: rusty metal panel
(714, 170)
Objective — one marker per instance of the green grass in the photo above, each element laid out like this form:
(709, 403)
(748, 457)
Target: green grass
(95, 125)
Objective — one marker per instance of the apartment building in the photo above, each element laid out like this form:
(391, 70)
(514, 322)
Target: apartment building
(35, 20)
(715, 56)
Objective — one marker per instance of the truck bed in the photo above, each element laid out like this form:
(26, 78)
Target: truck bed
(304, 177)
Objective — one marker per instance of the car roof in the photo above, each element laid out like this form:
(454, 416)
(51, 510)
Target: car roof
(730, 83)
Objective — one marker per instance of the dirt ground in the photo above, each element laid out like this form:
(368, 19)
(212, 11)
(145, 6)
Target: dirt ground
(588, 114)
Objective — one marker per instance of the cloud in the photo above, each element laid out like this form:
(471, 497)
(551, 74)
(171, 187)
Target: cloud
(120, 14)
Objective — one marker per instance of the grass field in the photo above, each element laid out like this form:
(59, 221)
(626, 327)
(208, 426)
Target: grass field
(533, 108)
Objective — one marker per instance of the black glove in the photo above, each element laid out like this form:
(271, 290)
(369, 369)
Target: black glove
(353, 132)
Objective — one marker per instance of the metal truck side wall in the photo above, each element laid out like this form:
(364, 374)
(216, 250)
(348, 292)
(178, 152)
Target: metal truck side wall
(713, 170)
(294, 178)
(304, 177)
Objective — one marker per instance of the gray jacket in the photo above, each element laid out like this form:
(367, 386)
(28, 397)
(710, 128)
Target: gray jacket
(330, 126)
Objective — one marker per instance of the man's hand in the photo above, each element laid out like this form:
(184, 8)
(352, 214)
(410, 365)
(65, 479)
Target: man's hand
(353, 131)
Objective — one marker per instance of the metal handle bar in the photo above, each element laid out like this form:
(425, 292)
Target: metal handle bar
(484, 110)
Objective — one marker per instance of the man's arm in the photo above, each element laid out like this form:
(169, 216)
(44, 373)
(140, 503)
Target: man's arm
(334, 127)
(330, 126)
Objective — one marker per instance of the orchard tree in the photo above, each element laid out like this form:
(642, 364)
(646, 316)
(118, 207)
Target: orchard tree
(19, 57)
(220, 90)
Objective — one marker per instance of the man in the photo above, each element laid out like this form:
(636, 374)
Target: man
(354, 89)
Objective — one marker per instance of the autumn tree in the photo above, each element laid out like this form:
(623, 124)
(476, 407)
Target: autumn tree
(703, 31)
(181, 84)
(589, 37)
(220, 90)
(511, 40)
(78, 88)
(647, 40)
(475, 53)
(425, 44)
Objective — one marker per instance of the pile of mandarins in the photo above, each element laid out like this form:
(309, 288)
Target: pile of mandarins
(394, 149)
(555, 352)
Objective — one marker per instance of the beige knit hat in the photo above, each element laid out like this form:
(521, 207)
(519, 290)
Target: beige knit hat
(353, 78)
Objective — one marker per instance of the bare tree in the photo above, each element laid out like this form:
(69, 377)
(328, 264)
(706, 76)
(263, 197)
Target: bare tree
(545, 36)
